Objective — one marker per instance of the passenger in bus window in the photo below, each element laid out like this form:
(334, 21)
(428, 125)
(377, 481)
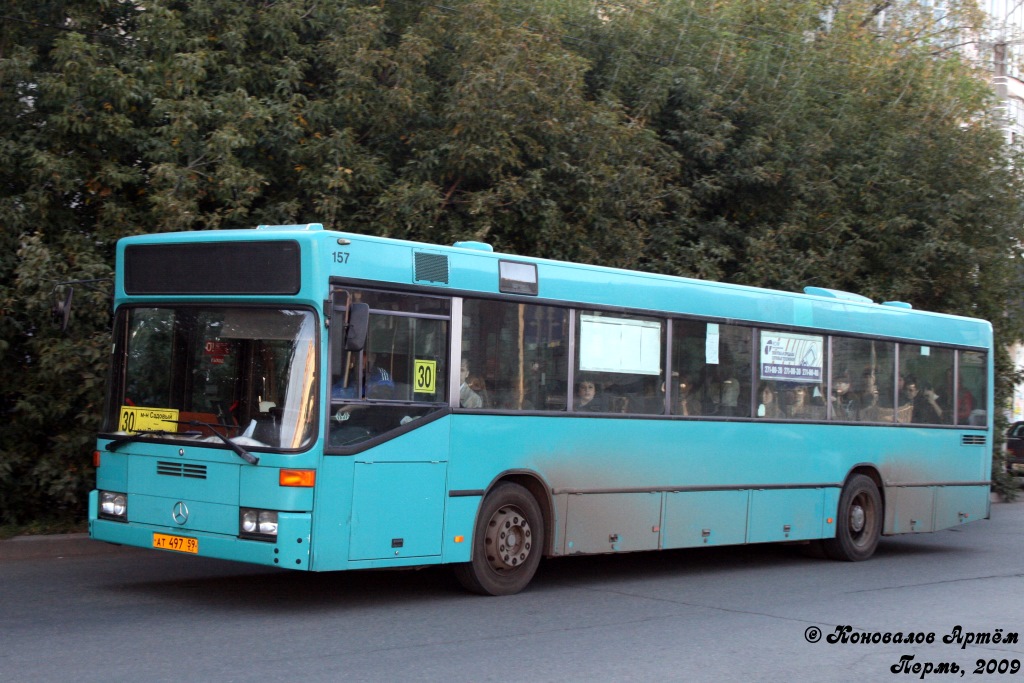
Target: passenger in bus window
(964, 402)
(769, 405)
(479, 387)
(651, 400)
(844, 403)
(894, 406)
(377, 380)
(909, 391)
(588, 399)
(867, 397)
(906, 390)
(725, 396)
(926, 405)
(468, 396)
(687, 402)
(801, 407)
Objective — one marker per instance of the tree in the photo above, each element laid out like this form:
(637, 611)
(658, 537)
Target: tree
(763, 143)
(852, 149)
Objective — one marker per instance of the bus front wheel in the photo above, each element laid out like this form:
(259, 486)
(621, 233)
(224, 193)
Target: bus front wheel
(858, 521)
(508, 542)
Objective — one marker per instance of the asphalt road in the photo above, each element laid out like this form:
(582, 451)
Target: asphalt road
(74, 610)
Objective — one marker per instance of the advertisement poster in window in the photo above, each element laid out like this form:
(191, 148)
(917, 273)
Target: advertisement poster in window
(792, 357)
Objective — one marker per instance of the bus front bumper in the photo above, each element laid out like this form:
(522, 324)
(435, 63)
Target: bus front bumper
(289, 551)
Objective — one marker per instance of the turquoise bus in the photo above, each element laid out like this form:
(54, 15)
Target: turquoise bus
(318, 400)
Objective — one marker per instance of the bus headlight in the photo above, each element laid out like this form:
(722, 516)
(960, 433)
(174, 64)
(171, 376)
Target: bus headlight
(260, 525)
(113, 505)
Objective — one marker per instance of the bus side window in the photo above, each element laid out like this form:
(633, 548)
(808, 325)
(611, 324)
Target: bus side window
(863, 389)
(712, 366)
(623, 356)
(514, 356)
(972, 389)
(928, 374)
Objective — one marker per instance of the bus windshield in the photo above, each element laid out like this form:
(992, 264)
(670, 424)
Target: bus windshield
(248, 374)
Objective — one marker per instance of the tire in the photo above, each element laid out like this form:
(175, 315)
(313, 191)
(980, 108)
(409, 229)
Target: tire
(508, 541)
(858, 521)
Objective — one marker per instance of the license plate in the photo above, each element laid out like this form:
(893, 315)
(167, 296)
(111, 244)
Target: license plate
(181, 544)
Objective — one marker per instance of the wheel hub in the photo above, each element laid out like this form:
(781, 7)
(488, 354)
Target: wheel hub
(857, 519)
(508, 539)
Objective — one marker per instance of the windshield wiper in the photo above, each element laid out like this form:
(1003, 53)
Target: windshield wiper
(117, 443)
(241, 452)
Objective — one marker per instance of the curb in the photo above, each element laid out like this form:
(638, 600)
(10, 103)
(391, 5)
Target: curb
(54, 546)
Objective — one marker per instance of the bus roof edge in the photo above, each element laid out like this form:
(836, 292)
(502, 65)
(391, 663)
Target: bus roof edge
(299, 226)
(837, 294)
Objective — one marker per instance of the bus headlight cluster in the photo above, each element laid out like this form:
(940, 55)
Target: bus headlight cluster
(257, 524)
(113, 505)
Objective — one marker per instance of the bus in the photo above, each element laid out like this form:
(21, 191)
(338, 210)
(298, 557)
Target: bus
(317, 400)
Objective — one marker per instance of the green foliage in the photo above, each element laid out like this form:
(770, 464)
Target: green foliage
(50, 525)
(761, 143)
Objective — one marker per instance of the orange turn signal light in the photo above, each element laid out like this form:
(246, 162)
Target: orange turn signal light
(303, 478)
(95, 458)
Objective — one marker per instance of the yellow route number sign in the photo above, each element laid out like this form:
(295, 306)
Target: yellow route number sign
(134, 419)
(425, 376)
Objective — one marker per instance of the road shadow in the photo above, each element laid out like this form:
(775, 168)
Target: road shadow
(204, 582)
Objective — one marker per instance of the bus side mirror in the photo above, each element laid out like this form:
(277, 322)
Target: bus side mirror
(358, 324)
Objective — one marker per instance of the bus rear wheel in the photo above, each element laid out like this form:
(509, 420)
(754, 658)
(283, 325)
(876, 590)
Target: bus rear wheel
(508, 542)
(858, 521)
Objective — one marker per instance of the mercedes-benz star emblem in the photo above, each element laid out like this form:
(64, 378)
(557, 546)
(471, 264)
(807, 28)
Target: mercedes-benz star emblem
(180, 512)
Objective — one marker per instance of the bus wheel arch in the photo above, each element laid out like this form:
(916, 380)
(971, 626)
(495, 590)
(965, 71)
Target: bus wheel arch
(859, 518)
(539, 490)
(872, 473)
(509, 537)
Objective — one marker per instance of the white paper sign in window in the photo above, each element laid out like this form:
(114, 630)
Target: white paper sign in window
(711, 344)
(792, 357)
(620, 345)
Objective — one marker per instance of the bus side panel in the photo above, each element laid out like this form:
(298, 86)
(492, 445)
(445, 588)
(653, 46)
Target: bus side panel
(828, 525)
(908, 509)
(955, 505)
(459, 519)
(699, 518)
(603, 473)
(332, 513)
(613, 522)
(917, 509)
(801, 469)
(397, 510)
(785, 515)
(384, 506)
